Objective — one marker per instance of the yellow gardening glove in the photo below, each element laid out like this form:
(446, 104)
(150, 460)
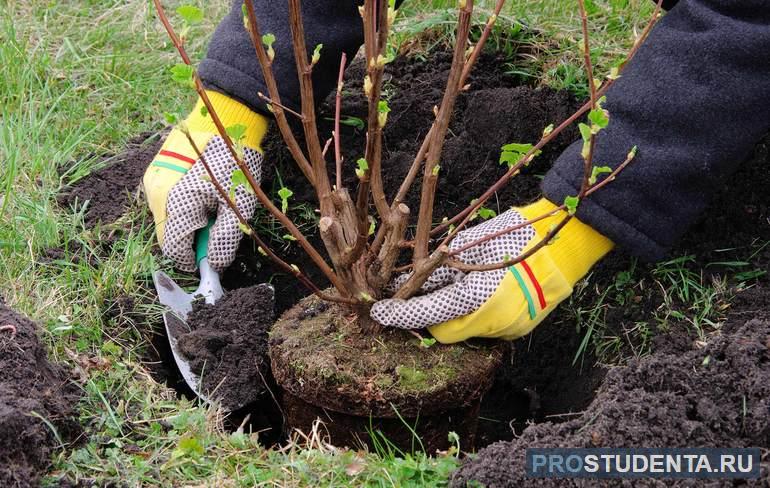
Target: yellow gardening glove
(506, 303)
(179, 195)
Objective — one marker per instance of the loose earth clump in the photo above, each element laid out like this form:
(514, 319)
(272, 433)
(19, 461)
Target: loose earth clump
(31, 389)
(227, 345)
(320, 357)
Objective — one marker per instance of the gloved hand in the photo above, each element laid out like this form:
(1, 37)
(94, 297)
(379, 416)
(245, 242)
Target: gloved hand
(506, 303)
(180, 195)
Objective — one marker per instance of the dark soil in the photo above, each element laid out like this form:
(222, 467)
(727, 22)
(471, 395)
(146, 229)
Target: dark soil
(31, 389)
(714, 396)
(109, 190)
(537, 382)
(357, 432)
(228, 345)
(320, 356)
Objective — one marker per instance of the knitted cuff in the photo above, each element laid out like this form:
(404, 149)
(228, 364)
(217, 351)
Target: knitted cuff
(576, 248)
(230, 113)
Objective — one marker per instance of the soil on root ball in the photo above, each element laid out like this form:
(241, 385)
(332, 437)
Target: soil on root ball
(31, 389)
(359, 383)
(227, 345)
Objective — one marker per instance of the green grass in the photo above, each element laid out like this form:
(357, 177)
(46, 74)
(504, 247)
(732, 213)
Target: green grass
(646, 301)
(79, 79)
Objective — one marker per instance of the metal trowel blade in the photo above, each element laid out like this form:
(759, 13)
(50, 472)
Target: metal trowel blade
(175, 327)
(171, 295)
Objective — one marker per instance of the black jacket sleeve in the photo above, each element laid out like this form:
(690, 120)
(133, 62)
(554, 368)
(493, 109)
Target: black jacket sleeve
(695, 100)
(231, 64)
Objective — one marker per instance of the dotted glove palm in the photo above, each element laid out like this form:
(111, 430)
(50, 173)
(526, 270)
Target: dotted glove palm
(506, 303)
(181, 196)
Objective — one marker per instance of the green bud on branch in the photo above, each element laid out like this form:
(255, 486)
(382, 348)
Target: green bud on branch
(383, 110)
(247, 230)
(284, 194)
(268, 40)
(316, 54)
(236, 132)
(572, 204)
(363, 167)
(172, 118)
(514, 152)
(366, 297)
(190, 14)
(596, 171)
(183, 74)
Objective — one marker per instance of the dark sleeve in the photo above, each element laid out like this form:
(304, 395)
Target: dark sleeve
(695, 100)
(231, 65)
(667, 4)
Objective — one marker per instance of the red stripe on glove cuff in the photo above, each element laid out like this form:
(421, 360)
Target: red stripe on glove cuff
(178, 156)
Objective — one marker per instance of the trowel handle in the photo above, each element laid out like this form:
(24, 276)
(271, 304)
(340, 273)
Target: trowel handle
(202, 242)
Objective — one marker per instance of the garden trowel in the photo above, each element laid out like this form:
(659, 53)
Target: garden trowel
(179, 304)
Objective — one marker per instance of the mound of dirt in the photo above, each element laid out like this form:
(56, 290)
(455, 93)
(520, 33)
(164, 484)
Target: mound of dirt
(228, 345)
(717, 395)
(31, 389)
(108, 190)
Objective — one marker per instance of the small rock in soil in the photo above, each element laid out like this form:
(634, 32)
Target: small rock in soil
(228, 344)
(30, 383)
